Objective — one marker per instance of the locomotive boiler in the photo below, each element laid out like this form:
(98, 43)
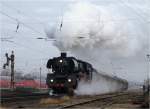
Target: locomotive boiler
(65, 73)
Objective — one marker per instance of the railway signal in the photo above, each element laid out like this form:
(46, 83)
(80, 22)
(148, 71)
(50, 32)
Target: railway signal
(8, 60)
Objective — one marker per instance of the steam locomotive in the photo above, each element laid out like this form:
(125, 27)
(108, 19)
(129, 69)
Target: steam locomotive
(65, 73)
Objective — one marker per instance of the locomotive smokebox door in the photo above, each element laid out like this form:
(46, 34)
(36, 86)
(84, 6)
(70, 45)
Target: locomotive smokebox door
(63, 54)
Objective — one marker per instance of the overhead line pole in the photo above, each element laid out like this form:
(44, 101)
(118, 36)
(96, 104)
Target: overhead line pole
(40, 76)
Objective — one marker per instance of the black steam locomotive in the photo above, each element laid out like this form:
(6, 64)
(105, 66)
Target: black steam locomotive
(65, 73)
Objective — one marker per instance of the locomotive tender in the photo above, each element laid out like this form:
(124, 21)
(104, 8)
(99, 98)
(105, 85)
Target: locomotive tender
(65, 73)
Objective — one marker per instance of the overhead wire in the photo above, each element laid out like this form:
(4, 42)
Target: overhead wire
(22, 36)
(7, 40)
(112, 20)
(21, 23)
(16, 43)
(33, 28)
(143, 20)
(133, 10)
(22, 13)
(141, 12)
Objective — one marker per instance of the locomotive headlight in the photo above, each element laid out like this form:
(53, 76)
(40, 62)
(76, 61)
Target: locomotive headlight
(52, 80)
(69, 80)
(60, 61)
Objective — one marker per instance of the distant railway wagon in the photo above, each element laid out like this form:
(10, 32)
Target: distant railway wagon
(23, 87)
(23, 83)
(66, 72)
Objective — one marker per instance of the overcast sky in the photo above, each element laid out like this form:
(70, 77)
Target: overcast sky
(35, 16)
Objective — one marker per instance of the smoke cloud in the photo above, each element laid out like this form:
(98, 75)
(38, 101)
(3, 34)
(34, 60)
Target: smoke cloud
(99, 84)
(92, 29)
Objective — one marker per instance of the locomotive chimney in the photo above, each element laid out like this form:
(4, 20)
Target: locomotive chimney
(63, 54)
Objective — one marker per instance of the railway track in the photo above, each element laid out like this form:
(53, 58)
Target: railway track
(106, 99)
(102, 101)
(126, 99)
(23, 97)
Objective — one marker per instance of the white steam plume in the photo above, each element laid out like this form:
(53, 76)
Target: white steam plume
(103, 27)
(99, 84)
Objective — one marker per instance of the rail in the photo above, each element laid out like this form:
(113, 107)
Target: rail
(93, 100)
(23, 97)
